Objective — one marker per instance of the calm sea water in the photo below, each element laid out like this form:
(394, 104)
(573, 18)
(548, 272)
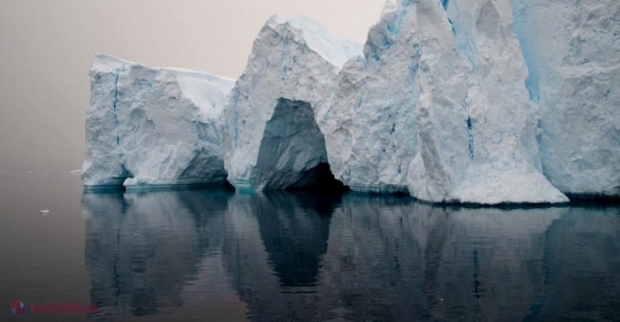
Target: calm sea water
(212, 255)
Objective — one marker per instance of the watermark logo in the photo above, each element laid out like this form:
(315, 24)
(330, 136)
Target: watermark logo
(64, 308)
(17, 307)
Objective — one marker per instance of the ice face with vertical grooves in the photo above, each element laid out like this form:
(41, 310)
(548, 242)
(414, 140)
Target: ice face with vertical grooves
(152, 127)
(443, 152)
(102, 167)
(506, 164)
(373, 137)
(425, 109)
(275, 118)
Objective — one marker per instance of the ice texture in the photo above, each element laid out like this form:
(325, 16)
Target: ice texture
(425, 109)
(503, 123)
(572, 49)
(272, 133)
(153, 127)
(373, 135)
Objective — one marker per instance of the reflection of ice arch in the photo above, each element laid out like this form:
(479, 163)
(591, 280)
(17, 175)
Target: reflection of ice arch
(303, 256)
(142, 249)
(372, 269)
(273, 251)
(384, 258)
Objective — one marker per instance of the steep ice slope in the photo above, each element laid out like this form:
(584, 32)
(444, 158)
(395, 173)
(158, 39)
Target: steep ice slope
(272, 133)
(374, 134)
(445, 147)
(153, 126)
(572, 49)
(502, 122)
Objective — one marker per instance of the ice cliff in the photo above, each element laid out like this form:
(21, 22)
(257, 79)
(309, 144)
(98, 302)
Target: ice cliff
(425, 109)
(153, 126)
(502, 122)
(572, 49)
(471, 101)
(373, 137)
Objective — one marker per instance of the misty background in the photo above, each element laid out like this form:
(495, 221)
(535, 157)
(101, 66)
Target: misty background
(46, 47)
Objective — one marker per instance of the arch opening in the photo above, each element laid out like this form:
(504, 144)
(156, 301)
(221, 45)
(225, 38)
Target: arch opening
(292, 153)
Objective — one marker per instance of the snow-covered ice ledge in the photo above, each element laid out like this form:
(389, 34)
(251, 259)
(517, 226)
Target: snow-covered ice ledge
(152, 127)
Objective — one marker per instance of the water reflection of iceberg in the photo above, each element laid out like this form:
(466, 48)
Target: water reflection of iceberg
(420, 262)
(583, 278)
(387, 258)
(307, 257)
(273, 251)
(141, 249)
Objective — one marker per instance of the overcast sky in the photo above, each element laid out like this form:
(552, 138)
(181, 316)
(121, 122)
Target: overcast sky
(46, 47)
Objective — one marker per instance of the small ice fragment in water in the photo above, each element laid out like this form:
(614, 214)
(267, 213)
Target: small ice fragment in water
(44, 212)
(76, 171)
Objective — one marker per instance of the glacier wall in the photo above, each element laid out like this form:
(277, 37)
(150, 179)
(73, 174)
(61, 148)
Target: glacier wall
(153, 127)
(445, 142)
(506, 165)
(572, 49)
(425, 109)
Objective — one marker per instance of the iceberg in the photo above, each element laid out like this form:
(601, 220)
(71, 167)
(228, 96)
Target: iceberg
(469, 101)
(153, 127)
(273, 122)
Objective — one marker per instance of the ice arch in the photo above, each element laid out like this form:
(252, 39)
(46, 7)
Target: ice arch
(275, 117)
(292, 151)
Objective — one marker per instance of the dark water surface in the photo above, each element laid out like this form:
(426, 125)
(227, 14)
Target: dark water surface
(212, 255)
